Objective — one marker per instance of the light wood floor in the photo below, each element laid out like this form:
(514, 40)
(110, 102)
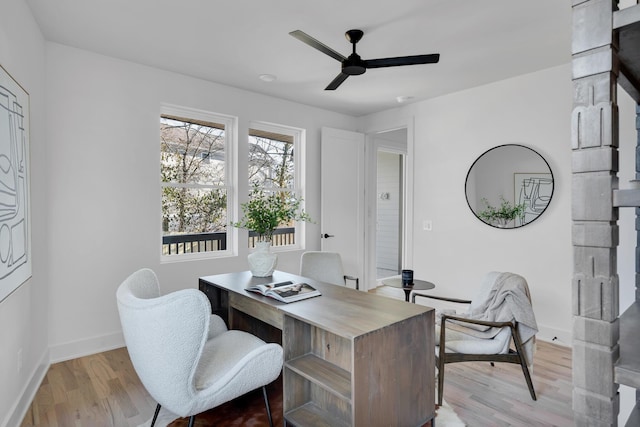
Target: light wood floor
(104, 390)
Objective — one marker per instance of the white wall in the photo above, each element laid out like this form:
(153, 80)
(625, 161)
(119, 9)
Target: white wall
(104, 212)
(23, 314)
(450, 133)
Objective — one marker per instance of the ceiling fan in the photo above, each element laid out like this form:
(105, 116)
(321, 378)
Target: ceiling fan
(354, 65)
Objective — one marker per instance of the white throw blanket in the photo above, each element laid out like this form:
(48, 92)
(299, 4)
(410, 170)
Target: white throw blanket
(508, 300)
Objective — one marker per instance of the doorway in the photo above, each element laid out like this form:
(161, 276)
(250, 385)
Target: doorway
(391, 151)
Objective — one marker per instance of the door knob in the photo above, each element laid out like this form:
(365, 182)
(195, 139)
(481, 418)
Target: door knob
(326, 236)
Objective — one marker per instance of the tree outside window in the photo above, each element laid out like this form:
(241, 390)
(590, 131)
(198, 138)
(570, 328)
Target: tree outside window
(193, 168)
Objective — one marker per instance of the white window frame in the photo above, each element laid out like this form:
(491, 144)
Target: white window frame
(231, 179)
(299, 144)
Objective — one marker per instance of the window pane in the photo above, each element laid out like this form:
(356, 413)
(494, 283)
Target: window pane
(271, 160)
(192, 152)
(193, 181)
(193, 220)
(272, 167)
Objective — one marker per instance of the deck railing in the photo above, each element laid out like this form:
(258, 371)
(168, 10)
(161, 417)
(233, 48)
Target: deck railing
(207, 242)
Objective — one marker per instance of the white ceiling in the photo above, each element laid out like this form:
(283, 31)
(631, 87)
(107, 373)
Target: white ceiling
(234, 41)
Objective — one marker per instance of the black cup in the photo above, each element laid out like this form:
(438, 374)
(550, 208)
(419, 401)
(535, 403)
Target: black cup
(407, 278)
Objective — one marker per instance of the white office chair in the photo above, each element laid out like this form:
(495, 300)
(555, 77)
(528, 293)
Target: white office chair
(325, 267)
(185, 357)
(500, 312)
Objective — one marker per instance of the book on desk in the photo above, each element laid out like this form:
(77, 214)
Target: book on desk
(287, 291)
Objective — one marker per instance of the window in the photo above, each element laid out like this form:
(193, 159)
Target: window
(275, 165)
(196, 150)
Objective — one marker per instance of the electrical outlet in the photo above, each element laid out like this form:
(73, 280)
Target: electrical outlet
(427, 225)
(19, 360)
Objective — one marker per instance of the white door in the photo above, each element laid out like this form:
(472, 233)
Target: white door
(342, 199)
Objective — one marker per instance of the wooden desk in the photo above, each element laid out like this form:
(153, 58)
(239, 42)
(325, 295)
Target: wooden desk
(351, 358)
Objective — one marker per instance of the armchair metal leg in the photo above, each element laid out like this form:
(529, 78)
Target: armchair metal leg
(266, 404)
(155, 415)
(192, 419)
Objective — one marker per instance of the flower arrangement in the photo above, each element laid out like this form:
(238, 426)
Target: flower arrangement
(503, 214)
(265, 211)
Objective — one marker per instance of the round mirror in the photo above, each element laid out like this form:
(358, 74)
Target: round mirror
(509, 186)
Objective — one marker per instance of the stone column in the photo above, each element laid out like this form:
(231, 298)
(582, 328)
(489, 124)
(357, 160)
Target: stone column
(594, 145)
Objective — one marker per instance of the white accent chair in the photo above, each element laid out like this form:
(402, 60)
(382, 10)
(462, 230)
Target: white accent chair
(501, 312)
(325, 267)
(185, 357)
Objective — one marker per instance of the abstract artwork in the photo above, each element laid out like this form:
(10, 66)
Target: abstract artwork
(15, 230)
(535, 191)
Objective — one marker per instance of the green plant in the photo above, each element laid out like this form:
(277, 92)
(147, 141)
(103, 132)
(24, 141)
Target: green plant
(503, 214)
(263, 213)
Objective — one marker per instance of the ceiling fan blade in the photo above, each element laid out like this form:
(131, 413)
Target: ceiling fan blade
(337, 81)
(306, 38)
(402, 60)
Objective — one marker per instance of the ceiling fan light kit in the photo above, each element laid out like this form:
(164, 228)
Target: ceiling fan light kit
(354, 65)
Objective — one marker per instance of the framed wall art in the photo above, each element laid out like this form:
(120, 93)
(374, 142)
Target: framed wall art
(15, 223)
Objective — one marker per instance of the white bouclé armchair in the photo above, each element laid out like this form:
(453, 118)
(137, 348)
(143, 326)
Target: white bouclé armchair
(185, 357)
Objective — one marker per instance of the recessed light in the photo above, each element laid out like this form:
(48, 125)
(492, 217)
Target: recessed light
(267, 77)
(403, 99)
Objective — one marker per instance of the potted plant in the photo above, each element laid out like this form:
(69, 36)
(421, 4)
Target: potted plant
(263, 213)
(503, 215)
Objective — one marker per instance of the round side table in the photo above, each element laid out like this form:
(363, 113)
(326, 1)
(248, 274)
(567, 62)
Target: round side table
(418, 285)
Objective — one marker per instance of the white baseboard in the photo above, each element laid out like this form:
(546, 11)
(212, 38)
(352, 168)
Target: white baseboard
(556, 336)
(80, 348)
(15, 417)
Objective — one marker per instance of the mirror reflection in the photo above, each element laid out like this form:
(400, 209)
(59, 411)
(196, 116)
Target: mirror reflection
(509, 186)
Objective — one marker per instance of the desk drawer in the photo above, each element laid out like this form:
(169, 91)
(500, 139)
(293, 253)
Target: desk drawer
(261, 311)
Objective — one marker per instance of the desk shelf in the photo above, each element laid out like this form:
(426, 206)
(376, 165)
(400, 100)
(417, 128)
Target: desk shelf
(356, 379)
(311, 414)
(326, 375)
(316, 375)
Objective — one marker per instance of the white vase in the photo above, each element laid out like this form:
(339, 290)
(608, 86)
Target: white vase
(502, 223)
(262, 262)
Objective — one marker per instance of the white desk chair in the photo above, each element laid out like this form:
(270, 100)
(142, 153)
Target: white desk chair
(325, 267)
(185, 357)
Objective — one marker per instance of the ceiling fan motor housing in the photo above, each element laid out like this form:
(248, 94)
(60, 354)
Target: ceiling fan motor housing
(353, 65)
